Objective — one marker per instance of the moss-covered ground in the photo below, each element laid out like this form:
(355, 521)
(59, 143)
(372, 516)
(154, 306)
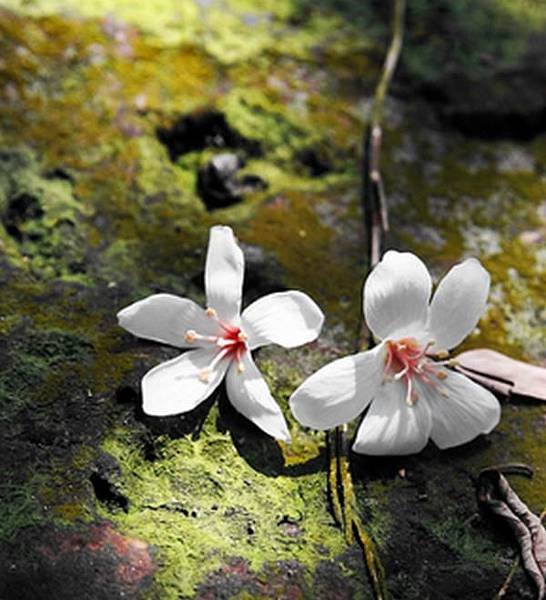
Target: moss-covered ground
(97, 211)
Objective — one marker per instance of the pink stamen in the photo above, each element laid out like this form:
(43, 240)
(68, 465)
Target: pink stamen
(406, 360)
(231, 342)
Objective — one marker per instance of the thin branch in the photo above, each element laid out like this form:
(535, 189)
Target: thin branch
(333, 477)
(376, 224)
(391, 61)
(373, 198)
(504, 588)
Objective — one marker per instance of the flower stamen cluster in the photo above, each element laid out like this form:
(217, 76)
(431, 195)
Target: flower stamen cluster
(407, 361)
(232, 343)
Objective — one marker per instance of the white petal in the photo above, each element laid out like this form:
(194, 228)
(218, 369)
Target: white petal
(166, 318)
(286, 318)
(339, 391)
(224, 273)
(468, 410)
(396, 296)
(175, 386)
(391, 427)
(458, 304)
(249, 394)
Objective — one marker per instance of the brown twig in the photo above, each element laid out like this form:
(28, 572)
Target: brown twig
(504, 588)
(345, 509)
(333, 477)
(373, 198)
(376, 224)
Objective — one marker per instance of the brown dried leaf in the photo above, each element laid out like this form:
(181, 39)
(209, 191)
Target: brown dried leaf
(503, 374)
(495, 493)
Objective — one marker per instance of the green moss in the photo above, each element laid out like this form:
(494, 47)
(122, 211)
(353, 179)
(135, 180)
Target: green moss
(71, 512)
(468, 545)
(374, 502)
(32, 359)
(289, 227)
(40, 215)
(18, 508)
(231, 31)
(201, 504)
(283, 375)
(519, 439)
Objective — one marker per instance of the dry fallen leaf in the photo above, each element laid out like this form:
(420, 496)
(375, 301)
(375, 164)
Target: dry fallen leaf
(495, 493)
(503, 374)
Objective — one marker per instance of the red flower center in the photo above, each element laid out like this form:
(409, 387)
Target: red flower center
(231, 343)
(406, 360)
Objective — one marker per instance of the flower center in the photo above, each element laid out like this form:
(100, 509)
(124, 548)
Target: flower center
(407, 361)
(231, 344)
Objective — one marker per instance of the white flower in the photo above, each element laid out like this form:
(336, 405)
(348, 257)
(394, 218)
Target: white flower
(223, 339)
(411, 397)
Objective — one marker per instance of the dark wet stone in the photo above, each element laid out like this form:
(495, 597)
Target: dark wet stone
(263, 274)
(59, 173)
(203, 129)
(102, 479)
(127, 394)
(89, 563)
(20, 209)
(218, 184)
(505, 103)
(315, 163)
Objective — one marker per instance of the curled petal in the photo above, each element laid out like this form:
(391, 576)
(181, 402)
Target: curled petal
(339, 391)
(249, 394)
(458, 304)
(286, 318)
(392, 427)
(166, 318)
(396, 296)
(464, 412)
(179, 385)
(224, 271)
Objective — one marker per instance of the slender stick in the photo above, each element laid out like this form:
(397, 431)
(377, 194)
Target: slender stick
(349, 499)
(373, 199)
(376, 224)
(333, 477)
(391, 60)
(513, 569)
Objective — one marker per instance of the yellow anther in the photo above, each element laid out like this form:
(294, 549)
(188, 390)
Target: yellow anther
(441, 375)
(211, 312)
(411, 400)
(242, 336)
(204, 375)
(240, 367)
(190, 336)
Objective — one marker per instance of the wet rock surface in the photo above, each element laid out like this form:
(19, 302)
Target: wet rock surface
(219, 185)
(203, 129)
(93, 562)
(106, 122)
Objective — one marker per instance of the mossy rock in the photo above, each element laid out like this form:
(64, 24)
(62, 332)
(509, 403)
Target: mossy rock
(97, 212)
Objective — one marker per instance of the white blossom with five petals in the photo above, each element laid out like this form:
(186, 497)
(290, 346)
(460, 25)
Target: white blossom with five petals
(410, 396)
(222, 337)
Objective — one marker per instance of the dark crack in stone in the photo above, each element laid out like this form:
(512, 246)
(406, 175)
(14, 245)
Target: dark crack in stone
(203, 129)
(218, 184)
